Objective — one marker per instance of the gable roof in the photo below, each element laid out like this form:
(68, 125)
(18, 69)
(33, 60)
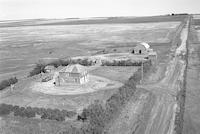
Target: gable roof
(145, 45)
(74, 68)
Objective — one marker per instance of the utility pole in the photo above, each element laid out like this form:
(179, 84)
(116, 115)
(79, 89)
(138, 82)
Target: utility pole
(142, 73)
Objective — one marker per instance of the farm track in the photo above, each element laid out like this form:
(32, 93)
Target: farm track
(162, 120)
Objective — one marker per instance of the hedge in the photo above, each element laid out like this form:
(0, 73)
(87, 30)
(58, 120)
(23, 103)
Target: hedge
(30, 112)
(121, 63)
(7, 83)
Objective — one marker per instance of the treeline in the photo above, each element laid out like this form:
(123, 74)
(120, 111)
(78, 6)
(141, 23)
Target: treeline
(60, 62)
(31, 112)
(40, 67)
(8, 82)
(121, 63)
(97, 115)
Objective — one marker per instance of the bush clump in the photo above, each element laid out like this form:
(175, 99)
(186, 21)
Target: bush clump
(29, 112)
(39, 68)
(121, 63)
(60, 62)
(7, 83)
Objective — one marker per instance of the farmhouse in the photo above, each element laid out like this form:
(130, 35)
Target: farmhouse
(73, 74)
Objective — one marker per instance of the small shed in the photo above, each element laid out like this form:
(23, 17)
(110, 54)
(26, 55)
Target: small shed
(49, 69)
(141, 48)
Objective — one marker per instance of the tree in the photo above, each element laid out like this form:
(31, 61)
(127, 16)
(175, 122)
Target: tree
(38, 69)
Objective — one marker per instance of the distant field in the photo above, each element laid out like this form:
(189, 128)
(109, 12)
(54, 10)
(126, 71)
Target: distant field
(97, 20)
(21, 47)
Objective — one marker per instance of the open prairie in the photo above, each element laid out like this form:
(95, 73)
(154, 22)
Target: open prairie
(22, 47)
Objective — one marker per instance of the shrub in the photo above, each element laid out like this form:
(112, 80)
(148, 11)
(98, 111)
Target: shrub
(60, 62)
(7, 83)
(5, 109)
(29, 112)
(121, 63)
(38, 69)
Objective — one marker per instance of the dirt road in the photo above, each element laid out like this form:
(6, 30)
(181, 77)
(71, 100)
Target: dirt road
(163, 114)
(191, 123)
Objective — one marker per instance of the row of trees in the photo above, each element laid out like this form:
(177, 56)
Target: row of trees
(40, 67)
(8, 82)
(97, 115)
(121, 63)
(60, 62)
(31, 112)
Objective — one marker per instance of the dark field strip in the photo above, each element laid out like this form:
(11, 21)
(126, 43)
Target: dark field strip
(109, 20)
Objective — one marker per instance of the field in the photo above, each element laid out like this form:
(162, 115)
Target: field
(22, 47)
(115, 73)
(47, 42)
(24, 95)
(20, 125)
(192, 107)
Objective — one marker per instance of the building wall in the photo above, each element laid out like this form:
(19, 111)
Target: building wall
(139, 48)
(65, 78)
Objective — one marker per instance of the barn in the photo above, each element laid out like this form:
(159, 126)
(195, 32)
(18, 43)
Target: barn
(74, 74)
(141, 48)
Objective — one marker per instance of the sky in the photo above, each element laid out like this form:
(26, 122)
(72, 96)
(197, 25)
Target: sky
(33, 9)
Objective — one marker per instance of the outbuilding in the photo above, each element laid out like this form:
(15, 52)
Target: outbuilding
(49, 69)
(141, 48)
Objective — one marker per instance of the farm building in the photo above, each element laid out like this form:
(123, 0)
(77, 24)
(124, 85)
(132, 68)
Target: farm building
(144, 49)
(49, 69)
(76, 74)
(141, 48)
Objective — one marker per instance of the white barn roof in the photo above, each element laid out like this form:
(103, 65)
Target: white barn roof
(76, 68)
(145, 45)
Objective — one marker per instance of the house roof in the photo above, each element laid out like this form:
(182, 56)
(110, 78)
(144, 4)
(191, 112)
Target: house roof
(74, 68)
(145, 45)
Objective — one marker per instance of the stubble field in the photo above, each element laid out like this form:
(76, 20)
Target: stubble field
(22, 47)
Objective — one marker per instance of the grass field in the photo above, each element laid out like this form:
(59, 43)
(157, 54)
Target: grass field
(22, 47)
(18, 125)
(23, 95)
(116, 73)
